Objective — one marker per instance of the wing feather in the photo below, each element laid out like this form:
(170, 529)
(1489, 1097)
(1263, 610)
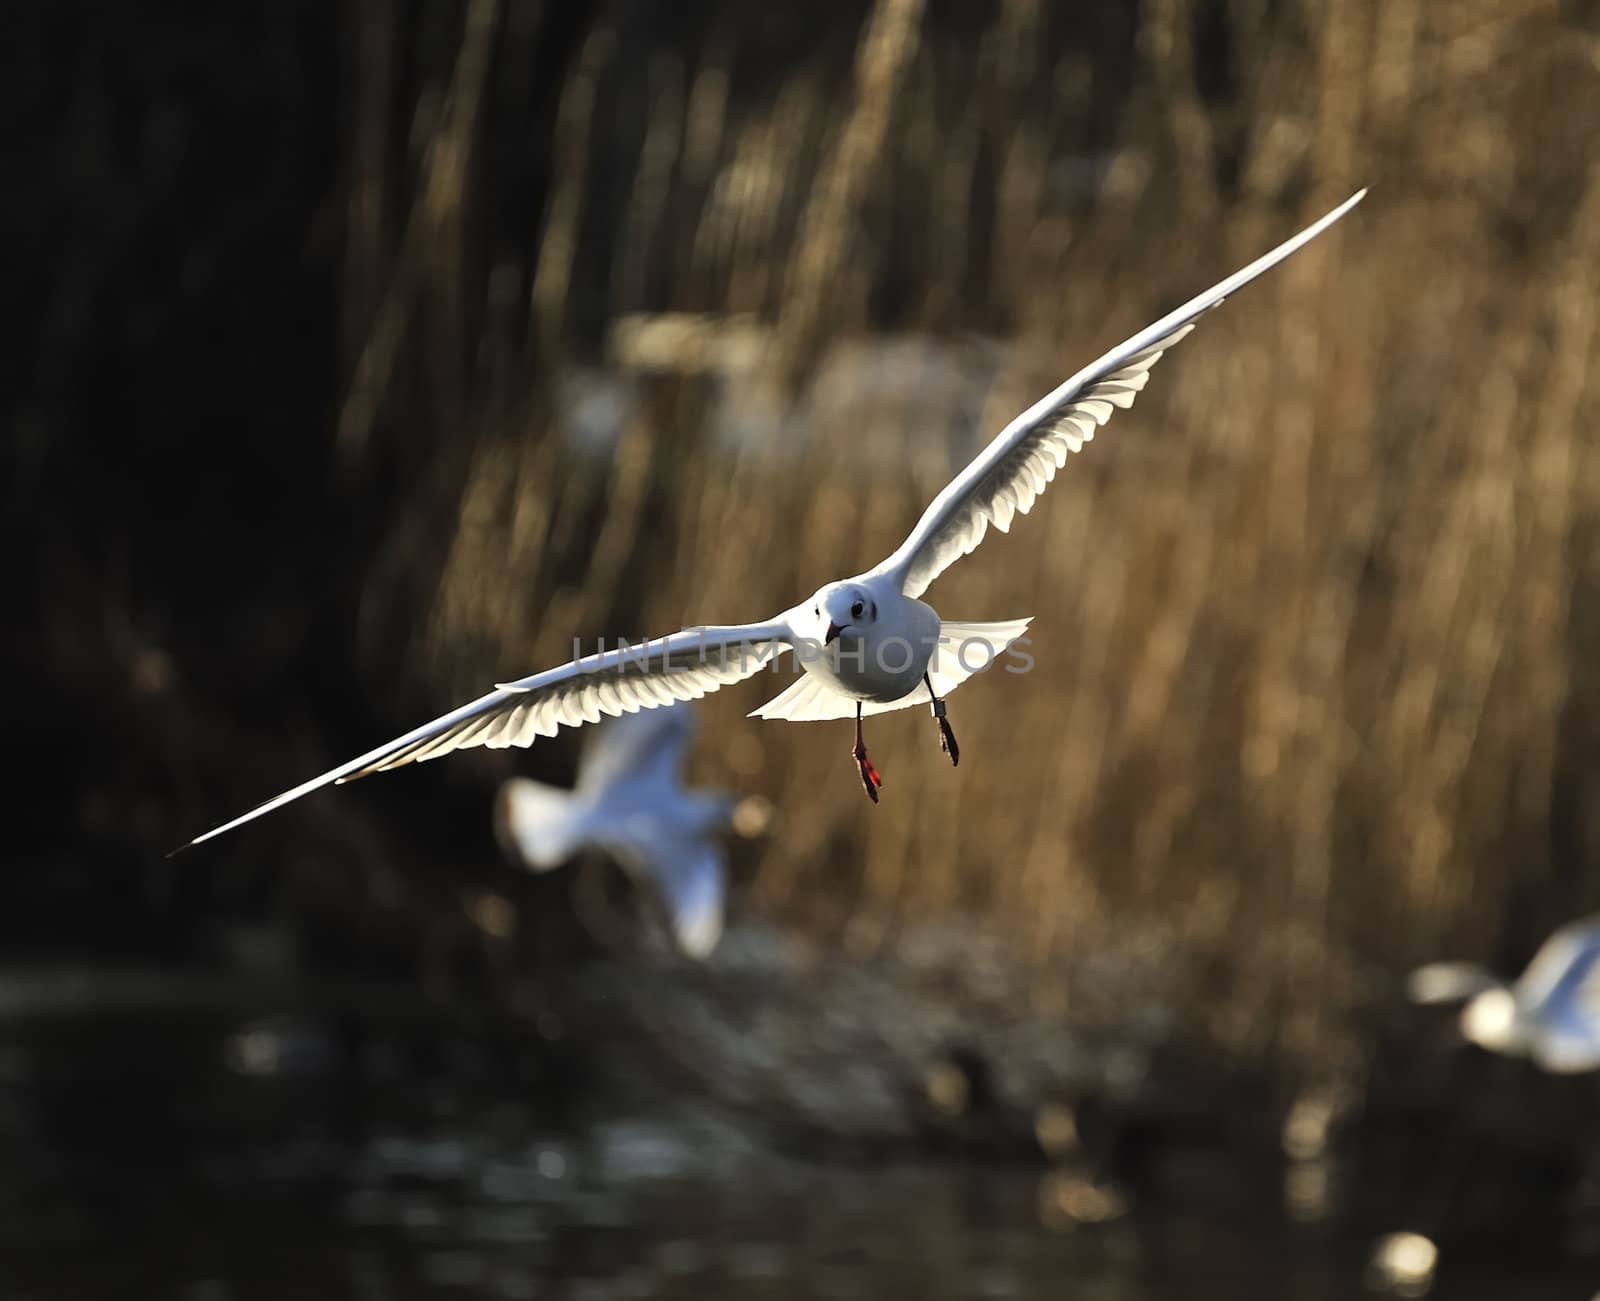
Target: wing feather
(684, 666)
(1006, 478)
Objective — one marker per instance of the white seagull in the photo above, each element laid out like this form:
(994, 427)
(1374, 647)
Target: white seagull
(630, 802)
(1551, 1013)
(865, 644)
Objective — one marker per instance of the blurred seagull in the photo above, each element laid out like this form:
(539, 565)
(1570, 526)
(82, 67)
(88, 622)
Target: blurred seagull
(1552, 1012)
(630, 802)
(866, 644)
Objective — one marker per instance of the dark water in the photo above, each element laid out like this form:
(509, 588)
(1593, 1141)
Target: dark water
(211, 1157)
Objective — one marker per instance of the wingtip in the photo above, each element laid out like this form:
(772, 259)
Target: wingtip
(1349, 203)
(191, 844)
(1339, 210)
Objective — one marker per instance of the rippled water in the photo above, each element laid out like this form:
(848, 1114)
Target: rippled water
(208, 1163)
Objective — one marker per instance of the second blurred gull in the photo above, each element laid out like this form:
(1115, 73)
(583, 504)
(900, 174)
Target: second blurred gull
(1551, 1013)
(630, 802)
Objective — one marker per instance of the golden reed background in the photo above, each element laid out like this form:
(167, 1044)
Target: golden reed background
(1316, 693)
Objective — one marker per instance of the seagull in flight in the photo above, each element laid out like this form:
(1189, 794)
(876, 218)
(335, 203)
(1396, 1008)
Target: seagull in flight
(866, 644)
(1551, 1013)
(630, 802)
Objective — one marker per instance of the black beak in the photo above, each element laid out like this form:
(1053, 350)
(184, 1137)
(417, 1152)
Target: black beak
(833, 631)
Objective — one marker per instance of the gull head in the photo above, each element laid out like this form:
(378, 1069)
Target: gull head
(1490, 1020)
(843, 607)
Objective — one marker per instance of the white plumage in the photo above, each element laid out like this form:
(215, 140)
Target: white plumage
(964, 649)
(630, 802)
(1551, 1013)
(865, 644)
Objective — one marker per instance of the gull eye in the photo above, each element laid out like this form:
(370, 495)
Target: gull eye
(855, 610)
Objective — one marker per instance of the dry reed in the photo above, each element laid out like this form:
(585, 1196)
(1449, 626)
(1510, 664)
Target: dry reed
(1314, 696)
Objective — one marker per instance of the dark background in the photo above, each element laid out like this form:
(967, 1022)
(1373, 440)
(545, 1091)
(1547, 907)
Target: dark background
(371, 352)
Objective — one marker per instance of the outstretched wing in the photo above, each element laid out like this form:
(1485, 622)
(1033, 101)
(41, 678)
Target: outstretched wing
(647, 746)
(684, 666)
(690, 877)
(1010, 473)
(1560, 994)
(1564, 965)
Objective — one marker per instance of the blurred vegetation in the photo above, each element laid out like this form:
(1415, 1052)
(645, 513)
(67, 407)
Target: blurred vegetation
(380, 351)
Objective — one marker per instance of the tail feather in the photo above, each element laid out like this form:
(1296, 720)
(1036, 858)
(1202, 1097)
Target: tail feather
(969, 648)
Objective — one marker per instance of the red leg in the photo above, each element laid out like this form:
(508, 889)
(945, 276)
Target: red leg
(870, 781)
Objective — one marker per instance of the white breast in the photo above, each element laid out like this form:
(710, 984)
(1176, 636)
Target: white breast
(886, 661)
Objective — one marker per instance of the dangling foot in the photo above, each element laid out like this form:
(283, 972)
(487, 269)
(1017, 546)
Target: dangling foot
(947, 737)
(870, 781)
